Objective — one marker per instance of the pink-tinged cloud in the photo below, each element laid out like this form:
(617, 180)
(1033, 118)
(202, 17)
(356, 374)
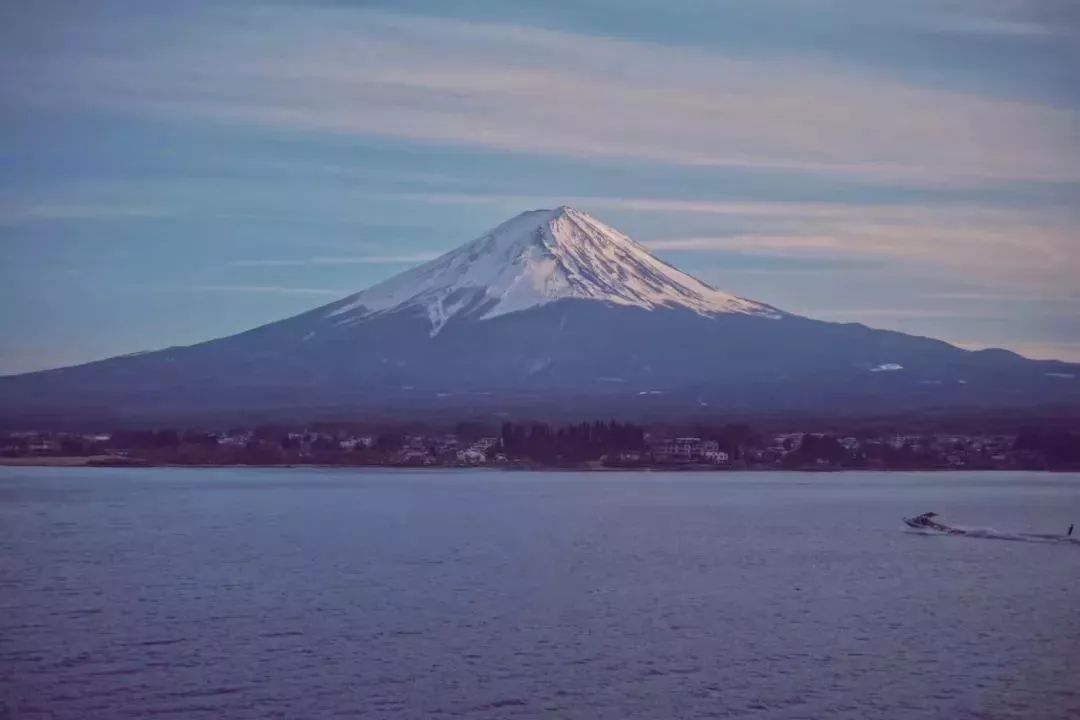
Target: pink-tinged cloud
(1029, 247)
(1067, 351)
(510, 88)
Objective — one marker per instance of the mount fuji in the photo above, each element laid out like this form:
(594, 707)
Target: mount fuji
(540, 257)
(552, 313)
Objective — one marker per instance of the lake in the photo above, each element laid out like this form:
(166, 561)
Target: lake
(310, 593)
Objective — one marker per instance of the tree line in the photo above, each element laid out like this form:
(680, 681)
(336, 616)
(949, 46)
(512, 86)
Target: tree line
(570, 443)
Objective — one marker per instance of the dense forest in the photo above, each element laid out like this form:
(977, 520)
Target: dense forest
(570, 443)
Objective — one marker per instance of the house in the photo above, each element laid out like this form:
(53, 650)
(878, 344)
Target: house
(684, 450)
(357, 443)
(236, 440)
(472, 456)
(716, 457)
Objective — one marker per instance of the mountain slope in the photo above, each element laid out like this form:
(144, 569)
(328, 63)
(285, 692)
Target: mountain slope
(550, 313)
(536, 258)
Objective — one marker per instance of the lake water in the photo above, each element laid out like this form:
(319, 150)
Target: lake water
(248, 593)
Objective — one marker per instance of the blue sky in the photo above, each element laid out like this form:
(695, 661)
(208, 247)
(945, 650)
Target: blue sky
(172, 172)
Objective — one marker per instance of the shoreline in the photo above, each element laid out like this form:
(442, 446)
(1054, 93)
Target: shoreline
(110, 462)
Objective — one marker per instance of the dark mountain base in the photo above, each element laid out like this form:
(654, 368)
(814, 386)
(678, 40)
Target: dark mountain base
(566, 360)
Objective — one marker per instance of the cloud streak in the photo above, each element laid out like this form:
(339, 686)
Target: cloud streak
(268, 290)
(526, 90)
(339, 260)
(763, 244)
(1002, 18)
(1067, 351)
(1034, 247)
(18, 213)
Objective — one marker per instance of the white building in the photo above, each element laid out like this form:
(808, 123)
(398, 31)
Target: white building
(716, 457)
(472, 456)
(687, 450)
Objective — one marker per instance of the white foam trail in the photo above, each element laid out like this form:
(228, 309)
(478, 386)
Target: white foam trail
(988, 533)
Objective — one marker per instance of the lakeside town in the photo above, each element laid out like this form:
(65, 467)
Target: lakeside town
(589, 445)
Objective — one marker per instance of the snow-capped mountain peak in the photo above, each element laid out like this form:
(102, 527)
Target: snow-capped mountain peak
(536, 258)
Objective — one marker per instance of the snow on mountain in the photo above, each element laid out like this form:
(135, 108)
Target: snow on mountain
(536, 258)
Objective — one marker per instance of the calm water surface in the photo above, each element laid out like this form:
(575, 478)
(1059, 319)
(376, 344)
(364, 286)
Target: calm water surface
(247, 593)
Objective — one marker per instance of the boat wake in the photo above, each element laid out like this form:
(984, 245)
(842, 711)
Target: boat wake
(926, 524)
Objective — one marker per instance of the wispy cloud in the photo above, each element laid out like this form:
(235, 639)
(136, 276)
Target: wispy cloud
(1067, 351)
(268, 290)
(1033, 246)
(1003, 18)
(1006, 297)
(407, 259)
(527, 90)
(893, 313)
(37, 212)
(782, 244)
